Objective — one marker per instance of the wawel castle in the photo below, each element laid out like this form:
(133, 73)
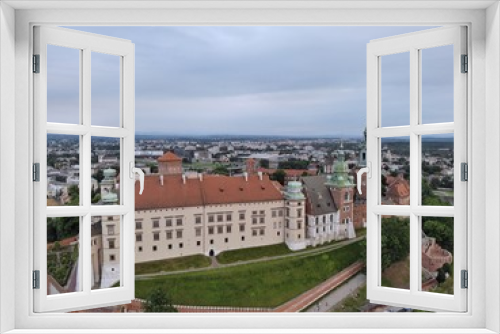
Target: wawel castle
(180, 215)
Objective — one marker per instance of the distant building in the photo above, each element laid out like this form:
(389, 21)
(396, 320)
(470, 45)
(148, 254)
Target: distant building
(398, 190)
(433, 256)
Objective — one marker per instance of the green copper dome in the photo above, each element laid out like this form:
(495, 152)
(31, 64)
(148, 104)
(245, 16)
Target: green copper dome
(109, 172)
(340, 177)
(294, 191)
(110, 198)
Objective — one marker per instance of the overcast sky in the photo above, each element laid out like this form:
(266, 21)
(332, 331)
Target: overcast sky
(304, 81)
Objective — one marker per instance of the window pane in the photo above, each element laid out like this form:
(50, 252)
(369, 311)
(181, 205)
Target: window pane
(395, 180)
(63, 170)
(105, 171)
(395, 89)
(437, 254)
(437, 170)
(437, 84)
(105, 251)
(63, 255)
(395, 254)
(105, 90)
(63, 85)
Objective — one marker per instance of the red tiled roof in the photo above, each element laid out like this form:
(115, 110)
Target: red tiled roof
(172, 194)
(212, 190)
(169, 156)
(398, 187)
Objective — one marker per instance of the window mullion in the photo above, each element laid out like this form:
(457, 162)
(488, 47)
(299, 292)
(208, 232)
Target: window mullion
(414, 169)
(85, 177)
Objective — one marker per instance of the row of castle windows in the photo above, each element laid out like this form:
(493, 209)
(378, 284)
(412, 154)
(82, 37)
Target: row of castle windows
(255, 232)
(211, 230)
(211, 218)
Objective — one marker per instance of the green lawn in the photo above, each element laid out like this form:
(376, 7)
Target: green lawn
(263, 284)
(175, 264)
(253, 253)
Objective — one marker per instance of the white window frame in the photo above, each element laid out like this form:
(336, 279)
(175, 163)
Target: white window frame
(413, 44)
(86, 44)
(483, 21)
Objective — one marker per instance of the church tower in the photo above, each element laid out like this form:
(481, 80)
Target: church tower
(341, 186)
(295, 218)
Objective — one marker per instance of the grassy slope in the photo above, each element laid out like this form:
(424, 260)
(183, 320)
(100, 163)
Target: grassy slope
(263, 284)
(175, 264)
(245, 254)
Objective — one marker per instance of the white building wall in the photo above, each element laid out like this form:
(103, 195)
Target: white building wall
(223, 233)
(322, 228)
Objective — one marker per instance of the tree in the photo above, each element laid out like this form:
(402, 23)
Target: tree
(395, 240)
(221, 170)
(264, 163)
(447, 182)
(74, 195)
(158, 301)
(99, 175)
(279, 175)
(293, 164)
(442, 230)
(435, 183)
(59, 228)
(441, 276)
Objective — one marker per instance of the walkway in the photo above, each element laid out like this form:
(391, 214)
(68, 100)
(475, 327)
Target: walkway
(336, 296)
(303, 253)
(309, 297)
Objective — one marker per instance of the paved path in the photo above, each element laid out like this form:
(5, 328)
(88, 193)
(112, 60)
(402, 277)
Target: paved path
(215, 263)
(304, 253)
(336, 296)
(309, 297)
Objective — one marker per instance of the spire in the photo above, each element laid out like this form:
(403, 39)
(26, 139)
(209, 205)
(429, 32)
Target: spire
(340, 154)
(340, 177)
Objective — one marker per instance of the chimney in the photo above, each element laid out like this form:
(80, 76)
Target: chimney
(183, 178)
(161, 180)
(200, 176)
(260, 175)
(245, 175)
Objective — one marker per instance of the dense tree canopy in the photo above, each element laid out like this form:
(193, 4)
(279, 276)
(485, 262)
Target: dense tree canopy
(395, 240)
(158, 301)
(293, 164)
(221, 170)
(279, 175)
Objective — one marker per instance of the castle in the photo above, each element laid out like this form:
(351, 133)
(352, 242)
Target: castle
(180, 215)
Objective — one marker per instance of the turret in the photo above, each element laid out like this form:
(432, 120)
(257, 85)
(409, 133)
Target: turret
(108, 187)
(295, 218)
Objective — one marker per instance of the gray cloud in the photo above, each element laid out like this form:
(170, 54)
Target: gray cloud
(262, 80)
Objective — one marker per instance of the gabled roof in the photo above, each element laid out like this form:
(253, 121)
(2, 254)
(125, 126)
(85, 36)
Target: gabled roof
(319, 195)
